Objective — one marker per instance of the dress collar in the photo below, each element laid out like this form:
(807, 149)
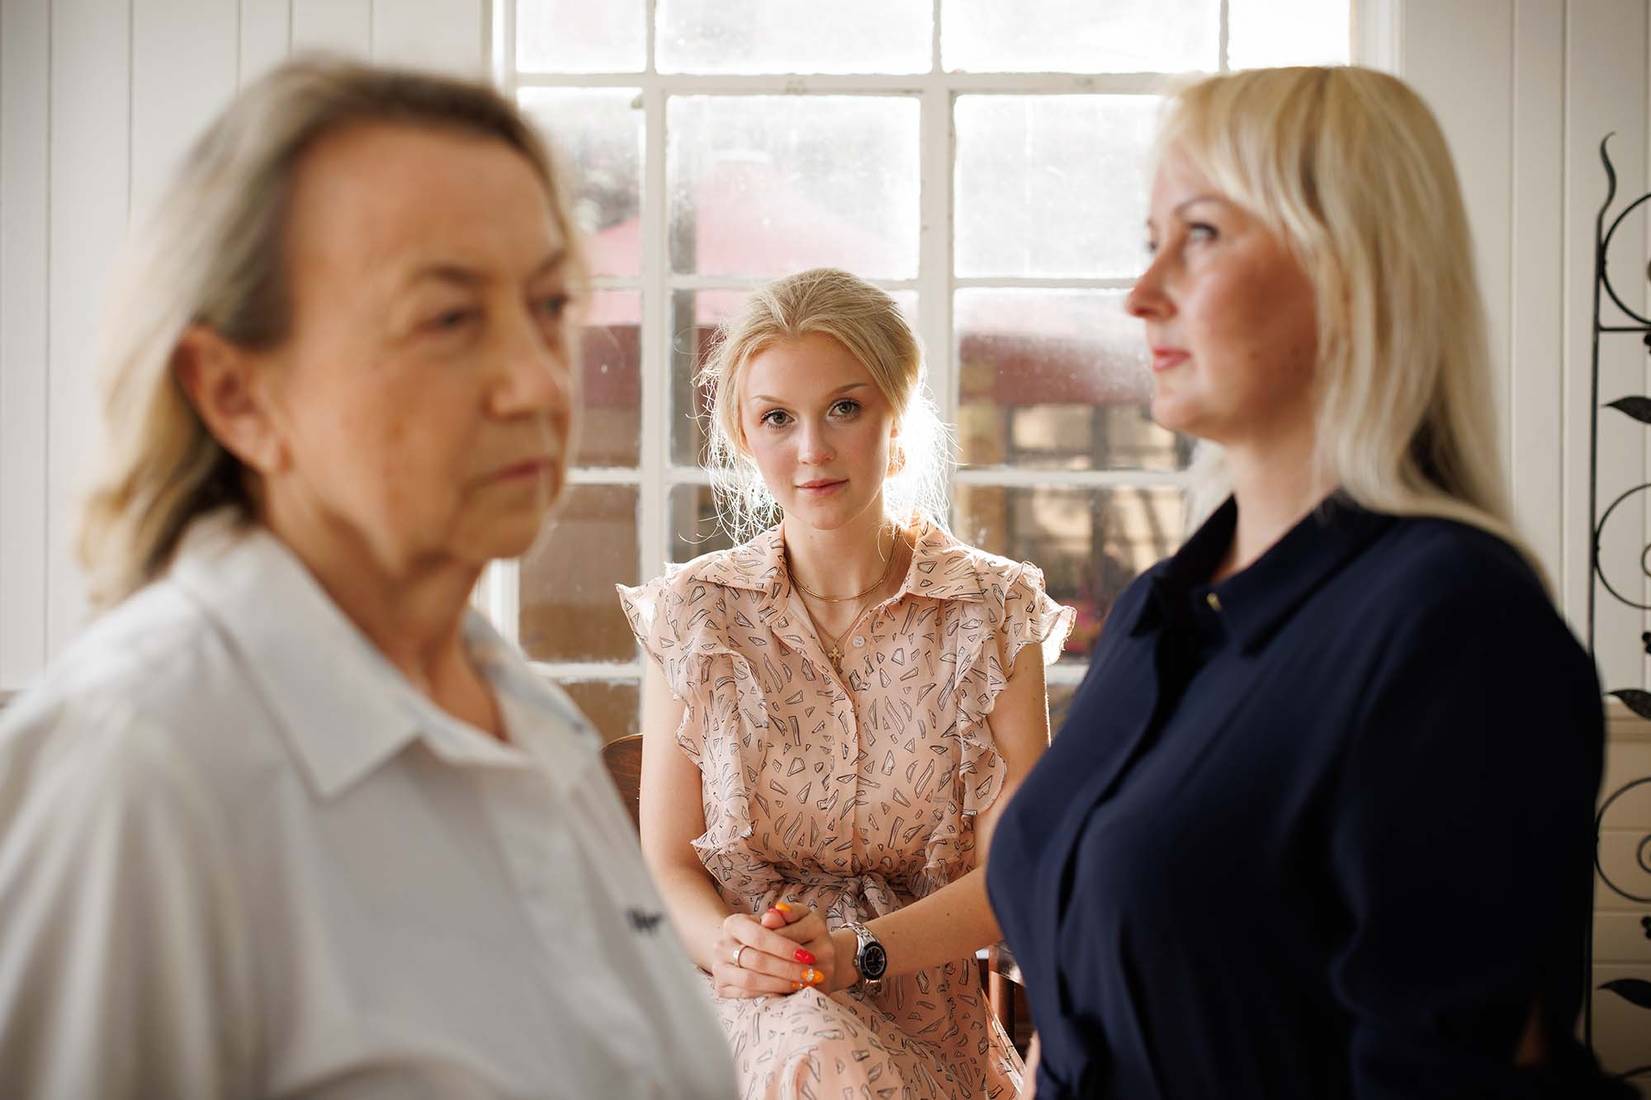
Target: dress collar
(343, 708)
(1256, 601)
(941, 568)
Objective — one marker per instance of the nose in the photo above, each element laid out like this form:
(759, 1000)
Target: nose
(535, 374)
(1148, 299)
(812, 447)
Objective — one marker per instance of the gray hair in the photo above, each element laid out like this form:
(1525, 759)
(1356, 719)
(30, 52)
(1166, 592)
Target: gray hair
(212, 254)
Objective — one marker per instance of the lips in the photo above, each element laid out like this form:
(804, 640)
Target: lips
(528, 467)
(1165, 358)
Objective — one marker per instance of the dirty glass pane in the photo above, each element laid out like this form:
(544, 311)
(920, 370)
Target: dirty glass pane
(1080, 36)
(598, 131)
(569, 610)
(577, 36)
(1052, 186)
(1089, 543)
(1056, 379)
(767, 185)
(794, 36)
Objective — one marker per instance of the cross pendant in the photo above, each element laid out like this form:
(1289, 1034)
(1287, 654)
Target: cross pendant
(835, 655)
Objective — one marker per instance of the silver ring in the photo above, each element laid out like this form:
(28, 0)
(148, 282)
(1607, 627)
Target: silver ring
(737, 952)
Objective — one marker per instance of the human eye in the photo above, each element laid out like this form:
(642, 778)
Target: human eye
(776, 418)
(449, 318)
(1201, 231)
(845, 408)
(552, 307)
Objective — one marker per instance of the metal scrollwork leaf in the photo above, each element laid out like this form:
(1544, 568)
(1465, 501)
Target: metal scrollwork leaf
(1635, 991)
(1637, 701)
(1637, 407)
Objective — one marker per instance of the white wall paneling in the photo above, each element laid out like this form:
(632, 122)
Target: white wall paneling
(1536, 345)
(1477, 117)
(90, 165)
(442, 34)
(342, 26)
(266, 33)
(25, 105)
(185, 54)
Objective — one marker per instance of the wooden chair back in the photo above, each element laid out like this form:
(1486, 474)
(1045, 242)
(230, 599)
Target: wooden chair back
(623, 756)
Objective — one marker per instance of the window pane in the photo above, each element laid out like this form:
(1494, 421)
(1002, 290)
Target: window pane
(767, 185)
(1089, 543)
(1079, 36)
(1052, 186)
(794, 36)
(599, 131)
(614, 705)
(695, 316)
(1060, 703)
(577, 36)
(1056, 379)
(569, 610)
(610, 376)
(694, 527)
(1287, 32)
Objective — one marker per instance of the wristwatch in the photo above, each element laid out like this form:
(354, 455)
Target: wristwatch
(869, 958)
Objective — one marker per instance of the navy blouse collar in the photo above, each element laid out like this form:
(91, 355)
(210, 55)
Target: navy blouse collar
(1259, 599)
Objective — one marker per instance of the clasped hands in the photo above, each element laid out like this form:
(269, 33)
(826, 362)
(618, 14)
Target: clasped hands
(786, 950)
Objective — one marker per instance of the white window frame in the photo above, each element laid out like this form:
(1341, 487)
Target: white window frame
(1372, 22)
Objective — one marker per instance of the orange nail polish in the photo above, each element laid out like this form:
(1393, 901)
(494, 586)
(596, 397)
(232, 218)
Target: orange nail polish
(812, 976)
(796, 986)
(783, 906)
(804, 955)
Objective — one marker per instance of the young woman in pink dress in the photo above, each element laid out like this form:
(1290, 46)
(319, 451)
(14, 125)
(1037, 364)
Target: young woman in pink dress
(835, 713)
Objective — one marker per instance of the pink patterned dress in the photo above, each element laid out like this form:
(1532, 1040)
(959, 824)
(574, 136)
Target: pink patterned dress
(855, 795)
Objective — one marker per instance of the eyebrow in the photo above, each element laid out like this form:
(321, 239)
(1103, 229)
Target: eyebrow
(1181, 206)
(839, 390)
(459, 275)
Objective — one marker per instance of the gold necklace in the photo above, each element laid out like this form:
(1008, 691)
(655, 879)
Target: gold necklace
(888, 564)
(834, 651)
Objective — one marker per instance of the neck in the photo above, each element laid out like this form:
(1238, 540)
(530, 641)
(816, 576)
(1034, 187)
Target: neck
(843, 560)
(1275, 486)
(412, 613)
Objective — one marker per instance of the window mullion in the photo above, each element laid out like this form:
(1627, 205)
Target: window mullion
(656, 335)
(934, 260)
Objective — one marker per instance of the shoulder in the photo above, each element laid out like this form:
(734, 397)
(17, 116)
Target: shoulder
(1451, 576)
(78, 766)
(943, 567)
(752, 566)
(154, 677)
(1443, 600)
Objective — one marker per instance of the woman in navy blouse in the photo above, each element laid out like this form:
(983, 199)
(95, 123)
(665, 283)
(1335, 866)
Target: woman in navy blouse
(1320, 822)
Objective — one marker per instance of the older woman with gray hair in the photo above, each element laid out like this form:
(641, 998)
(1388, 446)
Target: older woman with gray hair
(288, 819)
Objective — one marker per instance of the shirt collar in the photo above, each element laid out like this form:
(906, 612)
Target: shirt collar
(1256, 601)
(941, 567)
(343, 708)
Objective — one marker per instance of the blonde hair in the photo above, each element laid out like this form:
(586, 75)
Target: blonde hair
(211, 254)
(866, 321)
(1349, 168)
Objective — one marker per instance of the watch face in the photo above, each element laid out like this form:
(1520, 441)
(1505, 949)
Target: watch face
(872, 962)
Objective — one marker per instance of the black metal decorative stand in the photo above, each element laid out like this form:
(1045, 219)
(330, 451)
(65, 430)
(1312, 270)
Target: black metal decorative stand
(1637, 407)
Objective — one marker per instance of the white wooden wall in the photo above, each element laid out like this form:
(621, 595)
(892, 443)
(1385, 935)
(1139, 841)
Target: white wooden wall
(97, 100)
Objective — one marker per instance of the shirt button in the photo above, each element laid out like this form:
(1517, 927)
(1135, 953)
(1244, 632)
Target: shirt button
(1214, 601)
(859, 643)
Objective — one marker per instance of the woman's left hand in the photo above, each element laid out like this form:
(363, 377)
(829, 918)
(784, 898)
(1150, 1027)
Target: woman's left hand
(832, 954)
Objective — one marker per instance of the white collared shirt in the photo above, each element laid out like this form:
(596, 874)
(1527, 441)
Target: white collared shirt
(240, 856)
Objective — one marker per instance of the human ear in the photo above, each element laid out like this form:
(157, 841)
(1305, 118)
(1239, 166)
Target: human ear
(228, 387)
